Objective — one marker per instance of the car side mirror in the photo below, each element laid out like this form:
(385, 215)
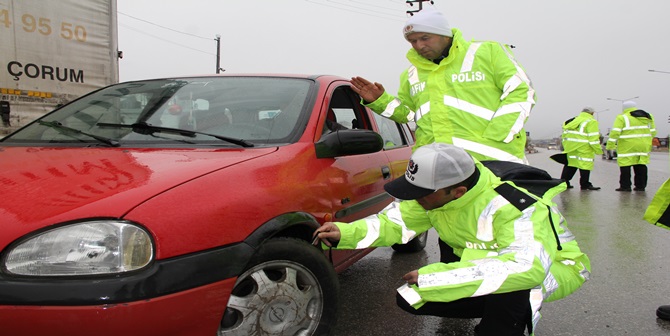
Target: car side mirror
(348, 142)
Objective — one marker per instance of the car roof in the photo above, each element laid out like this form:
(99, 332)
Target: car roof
(280, 75)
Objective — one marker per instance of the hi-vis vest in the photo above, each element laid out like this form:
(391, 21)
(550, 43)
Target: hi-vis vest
(631, 135)
(477, 98)
(658, 211)
(504, 245)
(581, 141)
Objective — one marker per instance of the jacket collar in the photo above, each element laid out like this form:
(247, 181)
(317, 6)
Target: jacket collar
(486, 180)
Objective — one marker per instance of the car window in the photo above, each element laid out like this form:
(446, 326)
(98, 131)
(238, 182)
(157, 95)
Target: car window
(390, 132)
(345, 111)
(259, 109)
(345, 116)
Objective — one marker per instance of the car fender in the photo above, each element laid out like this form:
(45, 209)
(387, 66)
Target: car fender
(294, 224)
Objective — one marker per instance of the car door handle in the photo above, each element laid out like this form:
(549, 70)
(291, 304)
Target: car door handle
(386, 172)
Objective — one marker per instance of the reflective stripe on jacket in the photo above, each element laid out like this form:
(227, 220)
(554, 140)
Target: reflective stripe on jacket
(502, 249)
(581, 141)
(631, 136)
(477, 98)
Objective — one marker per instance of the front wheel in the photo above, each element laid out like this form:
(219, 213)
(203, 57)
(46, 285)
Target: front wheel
(289, 288)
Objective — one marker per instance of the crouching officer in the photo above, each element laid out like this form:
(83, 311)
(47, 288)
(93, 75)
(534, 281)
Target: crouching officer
(658, 213)
(511, 250)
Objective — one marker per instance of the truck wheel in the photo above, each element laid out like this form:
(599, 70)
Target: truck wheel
(415, 245)
(289, 288)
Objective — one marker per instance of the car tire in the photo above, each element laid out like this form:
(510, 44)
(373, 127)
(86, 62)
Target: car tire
(417, 244)
(288, 288)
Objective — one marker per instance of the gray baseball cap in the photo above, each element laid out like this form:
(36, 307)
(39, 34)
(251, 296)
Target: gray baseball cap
(432, 167)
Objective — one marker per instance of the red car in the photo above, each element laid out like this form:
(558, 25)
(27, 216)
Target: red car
(186, 206)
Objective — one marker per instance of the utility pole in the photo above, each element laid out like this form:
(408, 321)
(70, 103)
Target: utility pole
(218, 53)
(412, 2)
(666, 72)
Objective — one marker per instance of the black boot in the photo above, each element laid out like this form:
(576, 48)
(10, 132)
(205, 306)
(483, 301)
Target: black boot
(590, 187)
(663, 312)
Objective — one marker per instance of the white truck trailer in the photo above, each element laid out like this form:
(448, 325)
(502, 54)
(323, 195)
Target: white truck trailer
(52, 52)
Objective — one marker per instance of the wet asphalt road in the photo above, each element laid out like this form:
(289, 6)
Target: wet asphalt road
(630, 268)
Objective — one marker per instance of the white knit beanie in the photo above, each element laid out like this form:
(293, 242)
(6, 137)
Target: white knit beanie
(428, 20)
(628, 104)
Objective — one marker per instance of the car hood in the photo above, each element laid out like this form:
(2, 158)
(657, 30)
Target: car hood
(46, 186)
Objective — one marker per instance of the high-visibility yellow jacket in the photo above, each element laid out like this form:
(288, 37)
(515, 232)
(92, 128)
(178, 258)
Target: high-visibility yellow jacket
(477, 98)
(658, 211)
(581, 141)
(502, 248)
(631, 136)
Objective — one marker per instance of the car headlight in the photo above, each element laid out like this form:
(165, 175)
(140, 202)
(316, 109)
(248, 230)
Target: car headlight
(89, 248)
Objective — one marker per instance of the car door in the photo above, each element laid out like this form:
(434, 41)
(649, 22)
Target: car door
(357, 181)
(398, 141)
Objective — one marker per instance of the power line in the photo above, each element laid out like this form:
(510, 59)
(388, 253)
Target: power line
(395, 10)
(168, 28)
(165, 40)
(348, 8)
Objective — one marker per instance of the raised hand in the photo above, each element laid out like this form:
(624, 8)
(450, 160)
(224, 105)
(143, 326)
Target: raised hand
(367, 90)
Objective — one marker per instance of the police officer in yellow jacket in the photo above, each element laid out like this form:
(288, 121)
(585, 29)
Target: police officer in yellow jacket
(472, 94)
(658, 213)
(631, 135)
(581, 142)
(512, 250)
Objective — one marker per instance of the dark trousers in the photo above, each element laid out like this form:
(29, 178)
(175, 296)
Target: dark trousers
(507, 314)
(584, 175)
(640, 179)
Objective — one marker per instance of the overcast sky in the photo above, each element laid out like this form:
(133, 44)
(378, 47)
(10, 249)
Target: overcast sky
(577, 52)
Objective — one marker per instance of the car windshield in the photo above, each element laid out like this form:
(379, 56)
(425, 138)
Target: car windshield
(220, 111)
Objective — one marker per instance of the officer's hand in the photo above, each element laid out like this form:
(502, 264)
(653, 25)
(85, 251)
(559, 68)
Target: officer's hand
(412, 277)
(328, 233)
(367, 90)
